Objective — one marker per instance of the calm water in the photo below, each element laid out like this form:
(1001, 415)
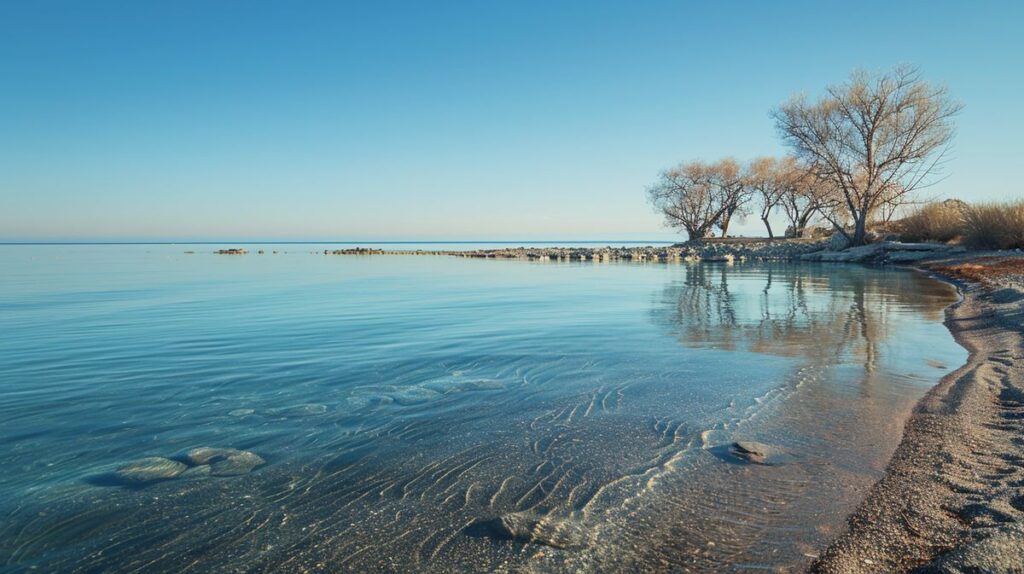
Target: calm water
(403, 403)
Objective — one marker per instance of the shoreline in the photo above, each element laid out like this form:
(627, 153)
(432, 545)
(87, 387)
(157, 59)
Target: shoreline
(952, 496)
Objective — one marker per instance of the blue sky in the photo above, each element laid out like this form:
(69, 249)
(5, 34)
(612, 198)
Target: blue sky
(443, 120)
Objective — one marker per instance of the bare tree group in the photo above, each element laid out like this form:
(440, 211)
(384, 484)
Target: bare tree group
(698, 197)
(858, 153)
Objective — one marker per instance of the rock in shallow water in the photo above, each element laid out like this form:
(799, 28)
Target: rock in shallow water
(225, 461)
(532, 529)
(236, 464)
(207, 454)
(150, 469)
(195, 472)
(750, 451)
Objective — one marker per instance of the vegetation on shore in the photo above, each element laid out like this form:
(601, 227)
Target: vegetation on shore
(858, 154)
(981, 226)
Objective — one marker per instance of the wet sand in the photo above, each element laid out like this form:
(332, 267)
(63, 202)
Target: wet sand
(952, 498)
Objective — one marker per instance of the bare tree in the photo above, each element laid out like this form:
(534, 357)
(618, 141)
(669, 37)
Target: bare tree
(765, 179)
(689, 198)
(874, 138)
(804, 195)
(728, 183)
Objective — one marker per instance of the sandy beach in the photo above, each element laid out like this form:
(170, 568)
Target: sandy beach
(952, 498)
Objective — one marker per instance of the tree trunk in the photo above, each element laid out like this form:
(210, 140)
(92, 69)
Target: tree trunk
(860, 230)
(801, 227)
(725, 223)
(768, 226)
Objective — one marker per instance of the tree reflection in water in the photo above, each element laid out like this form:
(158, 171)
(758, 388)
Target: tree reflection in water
(842, 312)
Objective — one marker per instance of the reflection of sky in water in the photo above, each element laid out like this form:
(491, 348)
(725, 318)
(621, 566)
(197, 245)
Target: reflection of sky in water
(400, 400)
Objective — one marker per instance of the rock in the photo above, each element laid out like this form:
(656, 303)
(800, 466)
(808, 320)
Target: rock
(224, 461)
(838, 242)
(242, 463)
(532, 529)
(750, 451)
(195, 472)
(241, 412)
(149, 469)
(207, 454)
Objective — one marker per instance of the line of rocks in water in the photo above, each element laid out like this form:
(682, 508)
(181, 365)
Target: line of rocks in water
(683, 252)
(766, 250)
(882, 252)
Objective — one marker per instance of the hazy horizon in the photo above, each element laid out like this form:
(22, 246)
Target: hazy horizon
(477, 122)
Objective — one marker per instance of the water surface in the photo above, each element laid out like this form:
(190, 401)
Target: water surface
(402, 402)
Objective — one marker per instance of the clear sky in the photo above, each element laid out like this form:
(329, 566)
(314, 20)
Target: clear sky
(442, 120)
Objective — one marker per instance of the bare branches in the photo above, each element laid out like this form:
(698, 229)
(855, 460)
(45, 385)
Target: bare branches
(875, 139)
(766, 180)
(696, 196)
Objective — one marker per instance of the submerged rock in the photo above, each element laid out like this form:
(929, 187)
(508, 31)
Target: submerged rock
(195, 472)
(531, 529)
(750, 451)
(207, 454)
(236, 464)
(242, 412)
(225, 461)
(149, 469)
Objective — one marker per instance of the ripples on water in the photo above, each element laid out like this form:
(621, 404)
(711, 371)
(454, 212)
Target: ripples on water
(404, 405)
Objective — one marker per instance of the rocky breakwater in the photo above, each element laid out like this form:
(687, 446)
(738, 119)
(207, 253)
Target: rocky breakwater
(708, 252)
(648, 253)
(354, 251)
(757, 250)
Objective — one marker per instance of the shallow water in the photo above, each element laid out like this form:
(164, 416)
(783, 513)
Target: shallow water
(404, 403)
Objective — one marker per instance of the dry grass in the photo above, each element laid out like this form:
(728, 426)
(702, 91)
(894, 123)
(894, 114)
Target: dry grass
(995, 225)
(941, 222)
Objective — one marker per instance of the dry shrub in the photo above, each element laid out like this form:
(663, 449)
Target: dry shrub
(933, 222)
(995, 225)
